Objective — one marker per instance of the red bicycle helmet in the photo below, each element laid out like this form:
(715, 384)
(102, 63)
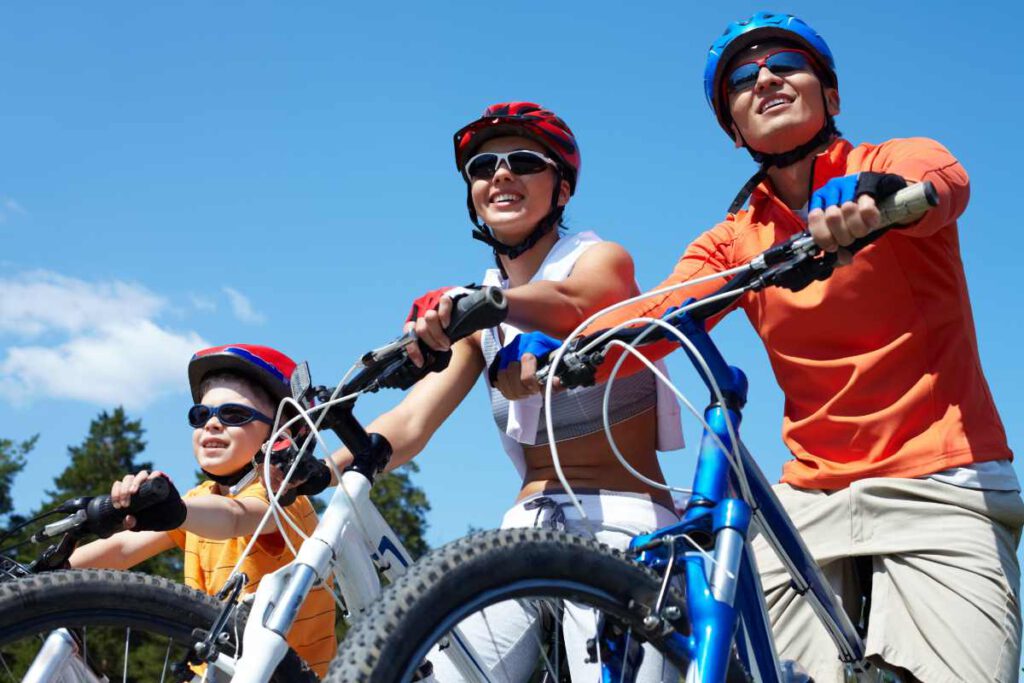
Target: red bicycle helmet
(263, 365)
(529, 120)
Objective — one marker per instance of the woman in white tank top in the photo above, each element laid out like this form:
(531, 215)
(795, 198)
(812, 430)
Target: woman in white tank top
(521, 163)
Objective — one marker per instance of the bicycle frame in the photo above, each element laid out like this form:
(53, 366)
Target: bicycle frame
(723, 590)
(352, 541)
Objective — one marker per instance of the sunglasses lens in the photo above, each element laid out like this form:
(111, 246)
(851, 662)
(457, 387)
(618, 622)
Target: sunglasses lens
(782, 63)
(744, 76)
(526, 163)
(482, 166)
(234, 415)
(198, 415)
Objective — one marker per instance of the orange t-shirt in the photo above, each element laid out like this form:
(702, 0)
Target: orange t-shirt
(208, 563)
(879, 364)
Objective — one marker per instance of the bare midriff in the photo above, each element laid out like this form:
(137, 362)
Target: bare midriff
(589, 463)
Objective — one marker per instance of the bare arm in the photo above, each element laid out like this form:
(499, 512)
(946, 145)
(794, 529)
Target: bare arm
(409, 425)
(602, 276)
(123, 550)
(220, 517)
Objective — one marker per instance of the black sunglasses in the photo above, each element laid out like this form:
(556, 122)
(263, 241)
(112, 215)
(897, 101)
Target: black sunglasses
(229, 414)
(483, 166)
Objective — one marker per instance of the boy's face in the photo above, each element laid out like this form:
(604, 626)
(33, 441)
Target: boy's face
(221, 449)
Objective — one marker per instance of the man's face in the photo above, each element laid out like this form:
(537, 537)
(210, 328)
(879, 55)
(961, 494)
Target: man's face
(778, 111)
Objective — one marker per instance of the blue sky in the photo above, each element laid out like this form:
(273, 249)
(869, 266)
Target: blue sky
(281, 173)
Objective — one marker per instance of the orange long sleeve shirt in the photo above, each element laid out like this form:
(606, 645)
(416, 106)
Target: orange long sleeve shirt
(879, 364)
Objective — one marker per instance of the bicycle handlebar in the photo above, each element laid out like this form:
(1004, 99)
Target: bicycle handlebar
(97, 514)
(792, 264)
(389, 366)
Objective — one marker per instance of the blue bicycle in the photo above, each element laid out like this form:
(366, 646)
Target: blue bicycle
(684, 602)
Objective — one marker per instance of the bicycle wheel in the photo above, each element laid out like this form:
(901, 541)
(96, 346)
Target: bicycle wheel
(537, 572)
(129, 626)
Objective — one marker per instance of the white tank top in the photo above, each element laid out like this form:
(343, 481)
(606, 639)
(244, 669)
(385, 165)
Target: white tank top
(575, 412)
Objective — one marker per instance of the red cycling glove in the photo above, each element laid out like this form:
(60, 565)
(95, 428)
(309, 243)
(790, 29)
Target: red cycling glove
(431, 299)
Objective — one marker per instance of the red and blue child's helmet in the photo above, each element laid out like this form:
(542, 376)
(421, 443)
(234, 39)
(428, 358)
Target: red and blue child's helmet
(528, 120)
(760, 27)
(266, 367)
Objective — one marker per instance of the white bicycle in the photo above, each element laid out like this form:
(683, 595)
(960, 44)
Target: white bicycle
(53, 623)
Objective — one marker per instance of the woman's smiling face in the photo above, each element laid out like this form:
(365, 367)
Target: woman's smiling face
(512, 205)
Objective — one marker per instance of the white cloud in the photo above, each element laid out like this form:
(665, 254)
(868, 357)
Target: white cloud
(40, 301)
(202, 303)
(243, 308)
(126, 363)
(9, 207)
(107, 347)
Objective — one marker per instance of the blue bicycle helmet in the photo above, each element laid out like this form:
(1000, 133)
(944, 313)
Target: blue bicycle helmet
(761, 26)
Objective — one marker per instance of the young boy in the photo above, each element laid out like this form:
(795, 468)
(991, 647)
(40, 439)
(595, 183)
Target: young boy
(237, 389)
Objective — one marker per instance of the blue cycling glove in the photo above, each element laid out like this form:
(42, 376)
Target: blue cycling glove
(535, 343)
(838, 191)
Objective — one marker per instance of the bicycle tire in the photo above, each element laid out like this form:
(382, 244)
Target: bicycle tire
(77, 599)
(388, 643)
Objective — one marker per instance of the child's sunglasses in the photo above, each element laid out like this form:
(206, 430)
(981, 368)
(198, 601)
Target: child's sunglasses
(781, 63)
(229, 414)
(483, 166)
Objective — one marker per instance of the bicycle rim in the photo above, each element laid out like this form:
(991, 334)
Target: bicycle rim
(534, 605)
(128, 627)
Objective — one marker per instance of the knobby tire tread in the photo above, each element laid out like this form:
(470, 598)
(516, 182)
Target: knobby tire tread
(382, 641)
(101, 597)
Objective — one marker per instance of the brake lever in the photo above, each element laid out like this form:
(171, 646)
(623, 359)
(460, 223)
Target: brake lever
(375, 356)
(575, 369)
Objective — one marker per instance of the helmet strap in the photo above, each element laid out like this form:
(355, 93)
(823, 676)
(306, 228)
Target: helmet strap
(483, 233)
(229, 479)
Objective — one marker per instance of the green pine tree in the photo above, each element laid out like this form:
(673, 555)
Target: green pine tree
(404, 505)
(109, 452)
(12, 461)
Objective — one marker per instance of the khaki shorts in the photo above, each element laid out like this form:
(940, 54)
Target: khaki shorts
(945, 601)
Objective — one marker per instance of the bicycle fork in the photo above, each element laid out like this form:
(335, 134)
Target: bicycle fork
(338, 540)
(59, 659)
(712, 584)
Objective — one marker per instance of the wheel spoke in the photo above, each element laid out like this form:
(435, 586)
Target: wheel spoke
(127, 640)
(10, 673)
(167, 658)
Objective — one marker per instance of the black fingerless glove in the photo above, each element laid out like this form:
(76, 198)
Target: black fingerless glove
(312, 473)
(163, 516)
(318, 476)
(879, 186)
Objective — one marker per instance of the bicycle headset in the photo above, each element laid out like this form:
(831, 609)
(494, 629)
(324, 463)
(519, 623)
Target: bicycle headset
(742, 34)
(528, 120)
(265, 367)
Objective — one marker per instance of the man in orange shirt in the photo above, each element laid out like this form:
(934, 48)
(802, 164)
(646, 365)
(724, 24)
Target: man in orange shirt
(901, 482)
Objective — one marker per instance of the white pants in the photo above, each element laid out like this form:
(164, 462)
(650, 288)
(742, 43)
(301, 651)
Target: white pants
(509, 635)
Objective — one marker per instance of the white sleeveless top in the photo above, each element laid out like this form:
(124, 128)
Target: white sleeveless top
(578, 411)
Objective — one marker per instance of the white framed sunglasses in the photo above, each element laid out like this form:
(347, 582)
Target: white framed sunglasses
(483, 166)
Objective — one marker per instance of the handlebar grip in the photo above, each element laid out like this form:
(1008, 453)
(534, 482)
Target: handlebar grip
(484, 308)
(909, 204)
(906, 206)
(104, 519)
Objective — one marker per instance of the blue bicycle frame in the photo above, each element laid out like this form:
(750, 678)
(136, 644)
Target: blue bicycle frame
(723, 588)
